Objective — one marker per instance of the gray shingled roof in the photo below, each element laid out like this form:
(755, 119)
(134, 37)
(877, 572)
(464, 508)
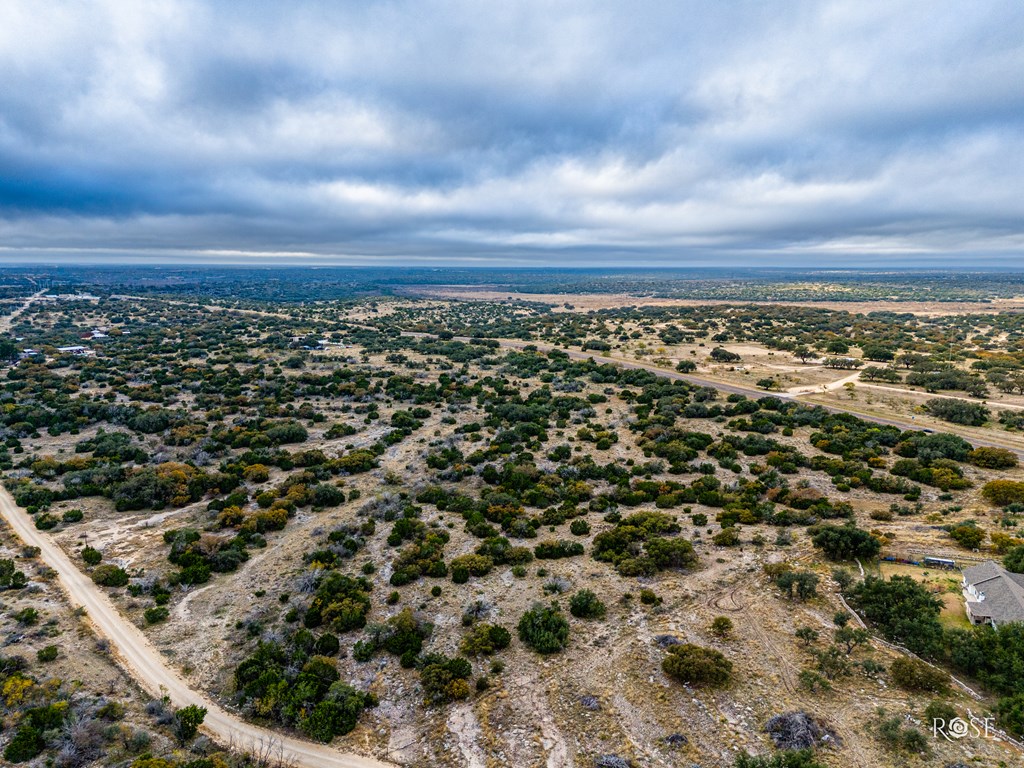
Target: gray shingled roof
(1003, 591)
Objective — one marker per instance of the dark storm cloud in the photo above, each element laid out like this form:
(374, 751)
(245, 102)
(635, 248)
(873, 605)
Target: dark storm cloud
(532, 132)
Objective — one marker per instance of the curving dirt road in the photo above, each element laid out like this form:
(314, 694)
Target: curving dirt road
(737, 389)
(147, 665)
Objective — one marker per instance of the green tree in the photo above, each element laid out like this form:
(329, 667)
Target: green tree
(903, 610)
(851, 637)
(958, 411)
(878, 353)
(1010, 710)
(845, 542)
(799, 585)
(187, 721)
(807, 635)
(1014, 560)
(336, 715)
(803, 353)
(722, 355)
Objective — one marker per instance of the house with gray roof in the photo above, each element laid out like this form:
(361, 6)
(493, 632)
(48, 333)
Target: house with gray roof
(994, 595)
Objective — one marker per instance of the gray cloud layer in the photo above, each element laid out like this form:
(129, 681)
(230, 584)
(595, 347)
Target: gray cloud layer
(530, 132)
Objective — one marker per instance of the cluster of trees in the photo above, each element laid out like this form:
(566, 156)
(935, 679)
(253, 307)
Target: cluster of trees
(845, 542)
(905, 612)
(958, 411)
(296, 683)
(641, 544)
(794, 585)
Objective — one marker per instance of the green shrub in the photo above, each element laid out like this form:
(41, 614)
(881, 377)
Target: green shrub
(336, 715)
(968, 536)
(444, 679)
(802, 758)
(72, 516)
(896, 736)
(45, 521)
(938, 710)
(1003, 493)
(1013, 561)
(698, 666)
(992, 458)
(915, 675)
(727, 537)
(485, 639)
(26, 744)
(586, 605)
(544, 629)
(721, 626)
(27, 616)
(648, 597)
(10, 576)
(798, 585)
(464, 566)
(156, 614)
(109, 576)
(553, 550)
(579, 527)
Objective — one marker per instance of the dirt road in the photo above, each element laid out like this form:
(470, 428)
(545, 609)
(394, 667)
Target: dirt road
(146, 664)
(820, 388)
(733, 388)
(8, 321)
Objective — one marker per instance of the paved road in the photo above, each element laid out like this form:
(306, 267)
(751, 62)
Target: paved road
(147, 665)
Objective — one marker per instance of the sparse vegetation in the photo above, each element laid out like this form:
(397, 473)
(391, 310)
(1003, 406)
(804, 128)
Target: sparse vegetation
(361, 505)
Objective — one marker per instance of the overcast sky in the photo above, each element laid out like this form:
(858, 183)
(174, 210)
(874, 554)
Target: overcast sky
(514, 133)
